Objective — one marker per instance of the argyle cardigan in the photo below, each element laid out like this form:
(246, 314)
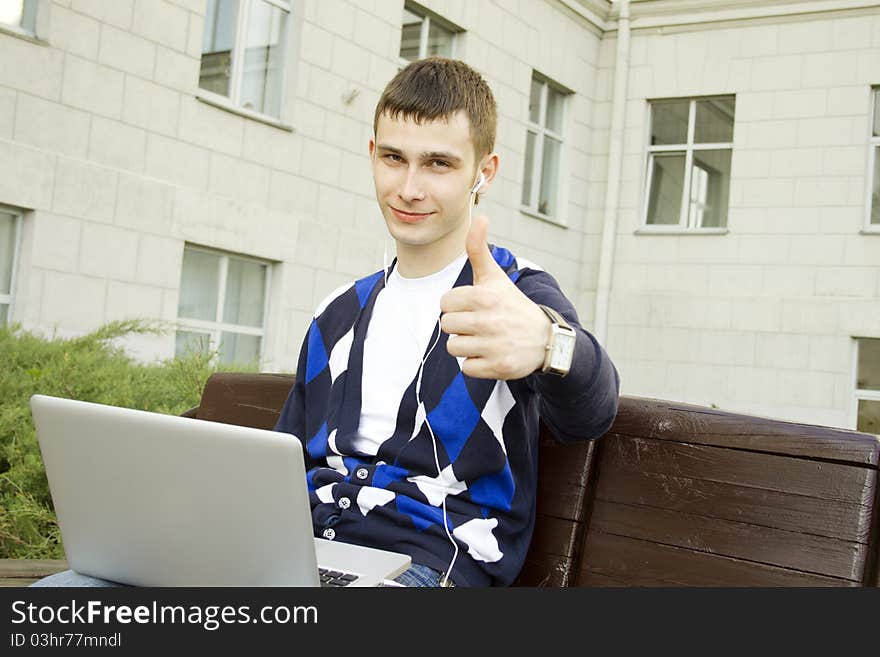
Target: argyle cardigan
(485, 431)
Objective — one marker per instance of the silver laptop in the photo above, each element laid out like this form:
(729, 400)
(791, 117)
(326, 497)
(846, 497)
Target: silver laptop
(159, 500)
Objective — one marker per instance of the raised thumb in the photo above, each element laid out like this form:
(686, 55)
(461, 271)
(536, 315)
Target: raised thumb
(478, 249)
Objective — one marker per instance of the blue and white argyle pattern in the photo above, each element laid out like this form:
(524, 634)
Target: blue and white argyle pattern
(484, 432)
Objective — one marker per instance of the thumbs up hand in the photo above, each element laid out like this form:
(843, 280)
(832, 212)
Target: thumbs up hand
(500, 332)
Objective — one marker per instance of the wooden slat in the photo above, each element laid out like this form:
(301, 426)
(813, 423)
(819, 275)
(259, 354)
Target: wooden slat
(564, 465)
(31, 567)
(816, 479)
(545, 570)
(561, 502)
(564, 477)
(553, 554)
(555, 536)
(666, 420)
(590, 578)
(253, 400)
(832, 518)
(23, 572)
(643, 563)
(816, 554)
(19, 582)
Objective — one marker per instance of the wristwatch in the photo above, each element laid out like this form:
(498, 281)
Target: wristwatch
(560, 349)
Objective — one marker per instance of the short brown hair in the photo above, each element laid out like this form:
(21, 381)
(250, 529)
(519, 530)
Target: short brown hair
(437, 87)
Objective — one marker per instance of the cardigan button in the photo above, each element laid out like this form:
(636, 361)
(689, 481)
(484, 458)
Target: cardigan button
(329, 534)
(361, 473)
(344, 502)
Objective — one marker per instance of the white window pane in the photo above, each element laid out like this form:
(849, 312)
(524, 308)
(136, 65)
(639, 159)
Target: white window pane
(191, 342)
(877, 112)
(529, 167)
(549, 176)
(11, 12)
(238, 348)
(714, 121)
(439, 40)
(7, 251)
(199, 285)
(875, 194)
(4, 314)
(869, 416)
(554, 110)
(264, 58)
(698, 201)
(218, 40)
(669, 122)
(869, 364)
(710, 189)
(667, 182)
(410, 36)
(19, 13)
(535, 101)
(245, 290)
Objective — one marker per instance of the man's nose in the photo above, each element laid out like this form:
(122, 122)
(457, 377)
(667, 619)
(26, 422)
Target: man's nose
(411, 189)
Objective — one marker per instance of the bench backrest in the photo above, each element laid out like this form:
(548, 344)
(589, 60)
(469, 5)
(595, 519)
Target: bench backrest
(688, 495)
(674, 495)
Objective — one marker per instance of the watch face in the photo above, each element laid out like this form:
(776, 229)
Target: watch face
(563, 350)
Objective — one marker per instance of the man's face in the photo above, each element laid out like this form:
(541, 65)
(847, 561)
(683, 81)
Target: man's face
(423, 176)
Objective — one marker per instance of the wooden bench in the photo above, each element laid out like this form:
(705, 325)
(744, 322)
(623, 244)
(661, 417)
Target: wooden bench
(680, 495)
(672, 495)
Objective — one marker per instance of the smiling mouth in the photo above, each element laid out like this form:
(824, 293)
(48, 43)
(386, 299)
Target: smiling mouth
(410, 217)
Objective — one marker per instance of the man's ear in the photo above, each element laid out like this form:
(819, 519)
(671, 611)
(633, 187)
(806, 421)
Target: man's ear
(489, 168)
(372, 147)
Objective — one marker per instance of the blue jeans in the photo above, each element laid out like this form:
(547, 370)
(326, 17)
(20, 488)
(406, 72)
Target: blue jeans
(419, 575)
(416, 576)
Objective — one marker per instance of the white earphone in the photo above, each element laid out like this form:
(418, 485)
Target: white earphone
(481, 181)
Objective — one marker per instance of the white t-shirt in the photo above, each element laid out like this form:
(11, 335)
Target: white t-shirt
(404, 320)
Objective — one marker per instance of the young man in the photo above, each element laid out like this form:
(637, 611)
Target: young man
(419, 388)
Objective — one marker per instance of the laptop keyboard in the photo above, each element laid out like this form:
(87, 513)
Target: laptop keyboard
(334, 578)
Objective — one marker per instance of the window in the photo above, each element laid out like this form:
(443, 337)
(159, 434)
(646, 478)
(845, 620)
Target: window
(10, 227)
(540, 191)
(222, 305)
(424, 35)
(874, 159)
(688, 175)
(21, 15)
(868, 385)
(244, 48)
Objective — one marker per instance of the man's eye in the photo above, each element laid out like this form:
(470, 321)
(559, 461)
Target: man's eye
(393, 157)
(439, 164)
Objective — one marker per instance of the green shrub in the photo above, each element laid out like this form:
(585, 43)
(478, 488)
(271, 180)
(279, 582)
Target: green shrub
(89, 368)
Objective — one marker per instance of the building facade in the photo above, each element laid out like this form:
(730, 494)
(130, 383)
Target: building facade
(701, 176)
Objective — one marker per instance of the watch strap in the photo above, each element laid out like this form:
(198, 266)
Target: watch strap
(554, 316)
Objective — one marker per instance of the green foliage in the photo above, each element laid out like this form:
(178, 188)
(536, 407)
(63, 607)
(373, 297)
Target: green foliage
(89, 368)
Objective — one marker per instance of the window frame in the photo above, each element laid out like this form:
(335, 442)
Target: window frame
(542, 131)
(860, 394)
(873, 147)
(232, 102)
(217, 327)
(8, 300)
(427, 17)
(684, 221)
